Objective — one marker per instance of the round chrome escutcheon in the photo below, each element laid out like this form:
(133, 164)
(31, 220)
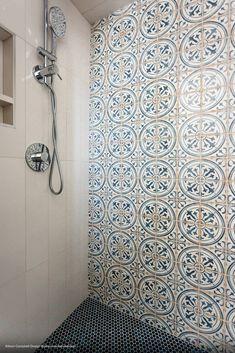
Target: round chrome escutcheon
(37, 157)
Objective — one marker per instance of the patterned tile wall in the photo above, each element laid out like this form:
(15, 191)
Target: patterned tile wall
(162, 167)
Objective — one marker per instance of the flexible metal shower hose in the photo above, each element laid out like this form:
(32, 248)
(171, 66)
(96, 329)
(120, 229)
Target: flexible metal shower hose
(55, 155)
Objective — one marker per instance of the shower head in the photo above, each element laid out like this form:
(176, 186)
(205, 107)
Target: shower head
(57, 21)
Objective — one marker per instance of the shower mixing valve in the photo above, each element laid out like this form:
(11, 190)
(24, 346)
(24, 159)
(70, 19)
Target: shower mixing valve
(37, 157)
(40, 72)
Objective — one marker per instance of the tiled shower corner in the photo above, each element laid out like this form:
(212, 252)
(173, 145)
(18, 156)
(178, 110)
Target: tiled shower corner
(162, 167)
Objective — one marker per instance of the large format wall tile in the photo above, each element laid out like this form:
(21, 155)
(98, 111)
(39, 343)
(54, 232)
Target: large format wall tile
(12, 210)
(161, 172)
(12, 16)
(41, 234)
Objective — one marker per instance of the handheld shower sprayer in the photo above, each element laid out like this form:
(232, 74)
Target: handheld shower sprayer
(55, 26)
(57, 21)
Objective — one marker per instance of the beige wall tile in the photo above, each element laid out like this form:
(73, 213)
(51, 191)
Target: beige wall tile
(34, 223)
(58, 306)
(12, 310)
(37, 295)
(12, 16)
(34, 22)
(37, 218)
(12, 215)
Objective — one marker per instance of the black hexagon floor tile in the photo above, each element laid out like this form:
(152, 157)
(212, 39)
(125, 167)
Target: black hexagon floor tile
(96, 328)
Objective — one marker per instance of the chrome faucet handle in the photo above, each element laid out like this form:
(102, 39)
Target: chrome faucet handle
(37, 73)
(40, 72)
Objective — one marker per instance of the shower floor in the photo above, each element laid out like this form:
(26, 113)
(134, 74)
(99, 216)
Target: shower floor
(95, 328)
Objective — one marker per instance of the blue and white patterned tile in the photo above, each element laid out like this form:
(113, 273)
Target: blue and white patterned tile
(105, 194)
(195, 11)
(157, 256)
(202, 180)
(122, 34)
(167, 158)
(97, 76)
(122, 177)
(137, 270)
(230, 181)
(96, 209)
(230, 331)
(158, 99)
(165, 52)
(231, 95)
(98, 42)
(154, 26)
(201, 341)
(96, 111)
(96, 143)
(157, 217)
(121, 212)
(201, 224)
(163, 324)
(121, 282)
(204, 44)
(231, 227)
(96, 273)
(223, 14)
(209, 80)
(200, 312)
(122, 69)
(96, 176)
(102, 293)
(122, 141)
(96, 241)
(201, 268)
(203, 135)
(122, 106)
(157, 139)
(121, 247)
(156, 295)
(157, 178)
(106, 260)
(230, 138)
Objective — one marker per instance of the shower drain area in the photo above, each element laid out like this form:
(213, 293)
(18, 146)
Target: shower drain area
(96, 328)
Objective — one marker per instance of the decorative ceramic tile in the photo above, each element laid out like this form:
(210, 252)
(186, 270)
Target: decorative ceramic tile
(162, 166)
(196, 11)
(203, 44)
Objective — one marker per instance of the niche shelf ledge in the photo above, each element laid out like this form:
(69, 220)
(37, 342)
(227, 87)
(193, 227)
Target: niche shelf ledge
(5, 100)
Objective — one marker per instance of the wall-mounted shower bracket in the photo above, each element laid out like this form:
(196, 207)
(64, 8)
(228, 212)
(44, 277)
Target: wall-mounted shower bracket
(45, 53)
(37, 157)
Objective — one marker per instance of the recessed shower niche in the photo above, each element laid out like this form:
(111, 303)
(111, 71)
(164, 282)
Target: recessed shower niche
(6, 77)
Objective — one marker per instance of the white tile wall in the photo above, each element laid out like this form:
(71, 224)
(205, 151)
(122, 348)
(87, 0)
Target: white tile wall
(37, 300)
(43, 253)
(12, 216)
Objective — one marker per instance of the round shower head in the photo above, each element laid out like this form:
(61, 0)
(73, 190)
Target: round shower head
(57, 21)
